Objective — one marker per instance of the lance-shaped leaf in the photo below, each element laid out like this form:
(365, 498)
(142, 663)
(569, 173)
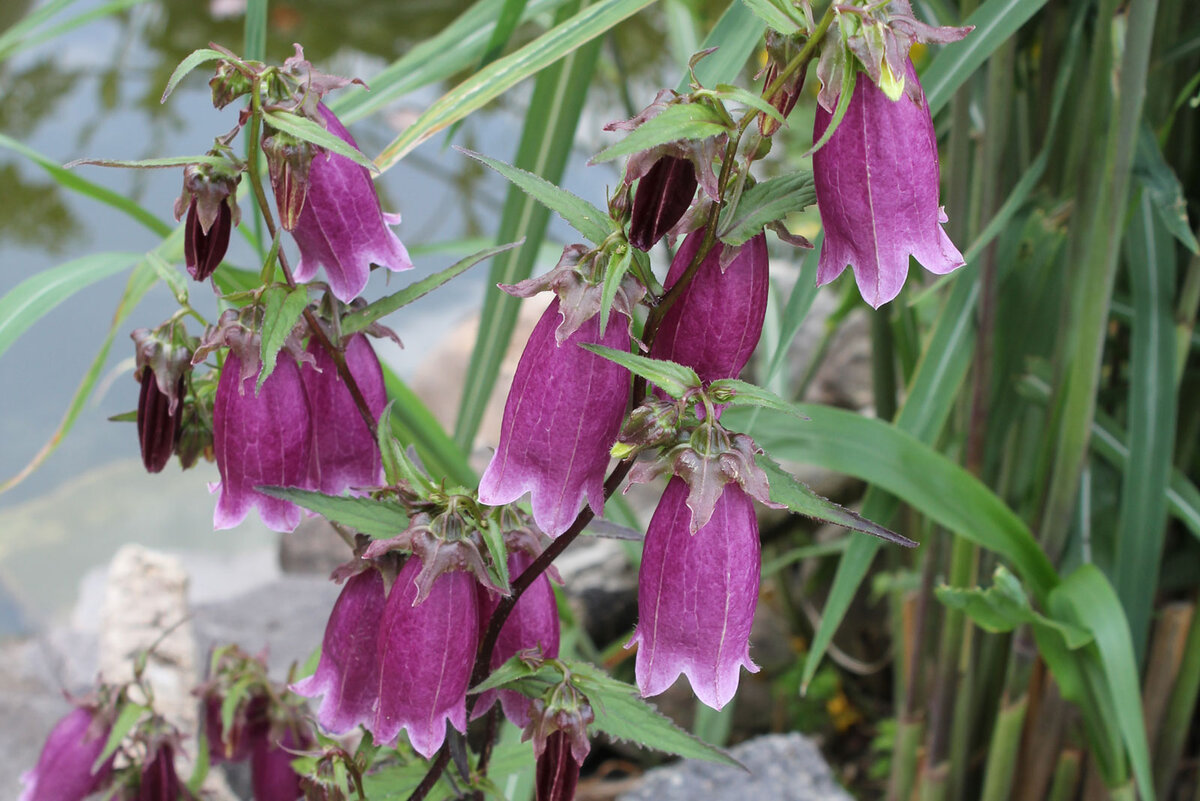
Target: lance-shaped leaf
(764, 203)
(370, 516)
(672, 378)
(680, 121)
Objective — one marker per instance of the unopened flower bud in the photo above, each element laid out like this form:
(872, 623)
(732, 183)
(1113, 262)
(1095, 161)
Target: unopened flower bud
(288, 160)
(557, 770)
(159, 781)
(158, 429)
(663, 195)
(780, 51)
(209, 199)
(228, 84)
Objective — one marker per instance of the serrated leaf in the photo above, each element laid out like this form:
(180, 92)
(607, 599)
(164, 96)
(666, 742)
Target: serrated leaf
(622, 714)
(737, 94)
(613, 276)
(733, 392)
(127, 718)
(170, 276)
(788, 490)
(1004, 606)
(281, 311)
(362, 318)
(673, 379)
(764, 203)
(516, 669)
(311, 131)
(681, 121)
(150, 164)
(579, 214)
(377, 518)
(193, 60)
(771, 13)
(493, 538)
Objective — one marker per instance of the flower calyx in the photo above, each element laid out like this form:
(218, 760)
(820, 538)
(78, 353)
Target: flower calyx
(781, 49)
(238, 330)
(289, 160)
(562, 710)
(578, 281)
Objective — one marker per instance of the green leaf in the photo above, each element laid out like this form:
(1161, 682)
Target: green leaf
(1161, 184)
(1004, 606)
(515, 669)
(127, 718)
(849, 76)
(798, 498)
(193, 60)
(546, 141)
(493, 538)
(378, 518)
(778, 17)
(579, 214)
(622, 714)
(150, 164)
(202, 765)
(673, 379)
(676, 122)
(733, 392)
(502, 74)
(412, 422)
(76, 183)
(170, 276)
(764, 203)
(614, 274)
(311, 131)
(737, 94)
(281, 310)
(36, 296)
(1087, 599)
(362, 318)
(995, 21)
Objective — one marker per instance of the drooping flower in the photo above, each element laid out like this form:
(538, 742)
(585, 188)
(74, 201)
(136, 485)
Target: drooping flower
(558, 724)
(344, 452)
(159, 781)
(210, 199)
(341, 226)
(557, 772)
(161, 366)
(715, 324)
(561, 417)
(64, 769)
(877, 191)
(348, 673)
(531, 626)
(696, 596)
(260, 439)
(271, 774)
(247, 726)
(425, 652)
(663, 195)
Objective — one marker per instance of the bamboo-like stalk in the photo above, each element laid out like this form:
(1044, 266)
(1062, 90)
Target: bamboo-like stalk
(1180, 713)
(1044, 727)
(1162, 665)
(1004, 749)
(1066, 776)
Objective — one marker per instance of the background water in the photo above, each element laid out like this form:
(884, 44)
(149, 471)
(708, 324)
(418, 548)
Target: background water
(94, 93)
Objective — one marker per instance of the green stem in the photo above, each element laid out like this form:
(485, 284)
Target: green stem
(1180, 713)
(1004, 749)
(1066, 776)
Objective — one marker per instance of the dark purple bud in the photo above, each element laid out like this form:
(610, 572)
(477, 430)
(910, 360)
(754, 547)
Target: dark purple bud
(562, 415)
(263, 439)
(271, 773)
(780, 51)
(348, 673)
(663, 195)
(209, 197)
(877, 191)
(203, 250)
(531, 626)
(344, 451)
(426, 651)
(249, 723)
(288, 161)
(64, 769)
(696, 596)
(557, 770)
(341, 226)
(158, 429)
(159, 781)
(715, 324)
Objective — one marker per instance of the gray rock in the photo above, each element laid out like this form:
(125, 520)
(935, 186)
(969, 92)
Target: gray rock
(779, 767)
(313, 548)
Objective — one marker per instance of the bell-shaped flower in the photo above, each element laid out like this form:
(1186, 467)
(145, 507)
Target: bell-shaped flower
(344, 453)
(715, 324)
(696, 596)
(562, 415)
(262, 438)
(341, 226)
(532, 626)
(877, 190)
(64, 769)
(348, 673)
(426, 651)
(271, 774)
(159, 781)
(161, 366)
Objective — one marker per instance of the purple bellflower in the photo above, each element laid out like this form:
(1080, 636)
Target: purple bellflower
(159, 781)
(348, 673)
(563, 413)
(532, 625)
(714, 326)
(341, 226)
(696, 595)
(344, 453)
(260, 439)
(64, 769)
(271, 774)
(425, 654)
(877, 191)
